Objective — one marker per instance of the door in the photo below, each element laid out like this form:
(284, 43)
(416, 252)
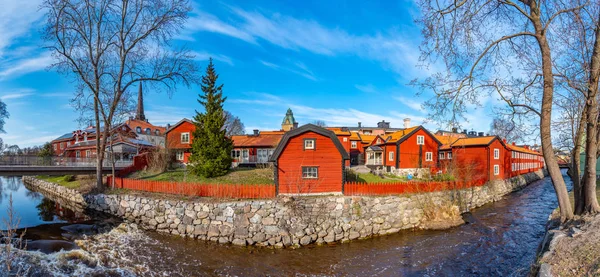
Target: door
(245, 156)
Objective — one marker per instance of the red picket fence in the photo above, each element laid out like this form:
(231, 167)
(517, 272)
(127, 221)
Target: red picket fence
(139, 163)
(195, 189)
(354, 188)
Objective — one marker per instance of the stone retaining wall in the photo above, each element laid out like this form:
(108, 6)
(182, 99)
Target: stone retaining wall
(288, 221)
(70, 197)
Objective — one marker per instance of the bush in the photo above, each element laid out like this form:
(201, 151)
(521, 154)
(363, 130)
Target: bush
(69, 178)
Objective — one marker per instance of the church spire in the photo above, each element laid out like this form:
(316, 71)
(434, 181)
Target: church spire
(140, 106)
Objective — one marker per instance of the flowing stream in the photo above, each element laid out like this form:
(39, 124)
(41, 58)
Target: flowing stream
(500, 239)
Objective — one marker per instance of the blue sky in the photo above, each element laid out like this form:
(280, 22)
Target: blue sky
(338, 61)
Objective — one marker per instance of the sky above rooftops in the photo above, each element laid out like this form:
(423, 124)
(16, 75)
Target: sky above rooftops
(340, 62)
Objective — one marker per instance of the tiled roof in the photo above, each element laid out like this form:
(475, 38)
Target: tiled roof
(338, 131)
(522, 149)
(354, 136)
(367, 138)
(134, 123)
(473, 141)
(272, 132)
(266, 140)
(394, 137)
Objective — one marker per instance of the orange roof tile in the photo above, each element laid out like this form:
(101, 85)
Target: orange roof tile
(522, 149)
(134, 123)
(272, 132)
(266, 140)
(338, 131)
(367, 138)
(354, 136)
(446, 140)
(473, 141)
(395, 136)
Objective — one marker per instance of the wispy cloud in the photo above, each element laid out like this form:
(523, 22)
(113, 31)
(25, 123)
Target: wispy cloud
(299, 69)
(18, 94)
(16, 19)
(415, 105)
(25, 65)
(366, 88)
(204, 56)
(395, 51)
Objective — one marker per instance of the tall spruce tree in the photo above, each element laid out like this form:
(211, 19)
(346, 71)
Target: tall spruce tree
(211, 148)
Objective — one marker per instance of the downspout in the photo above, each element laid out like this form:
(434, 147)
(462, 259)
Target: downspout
(276, 177)
(488, 162)
(397, 156)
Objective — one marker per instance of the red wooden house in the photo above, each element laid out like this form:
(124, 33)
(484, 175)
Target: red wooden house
(179, 139)
(404, 151)
(523, 160)
(309, 159)
(256, 148)
(343, 135)
(479, 158)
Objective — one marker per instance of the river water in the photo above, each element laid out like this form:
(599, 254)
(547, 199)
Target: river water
(500, 240)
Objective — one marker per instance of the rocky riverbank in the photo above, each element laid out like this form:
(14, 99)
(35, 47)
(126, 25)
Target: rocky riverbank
(298, 221)
(570, 249)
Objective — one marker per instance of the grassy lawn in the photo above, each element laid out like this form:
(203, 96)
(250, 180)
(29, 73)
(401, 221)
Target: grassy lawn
(353, 176)
(237, 176)
(61, 180)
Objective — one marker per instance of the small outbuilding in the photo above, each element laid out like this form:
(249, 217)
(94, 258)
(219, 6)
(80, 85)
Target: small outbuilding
(309, 160)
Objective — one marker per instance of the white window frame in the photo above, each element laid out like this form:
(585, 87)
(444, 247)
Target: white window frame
(420, 140)
(496, 154)
(77, 154)
(235, 154)
(187, 134)
(310, 174)
(353, 144)
(441, 155)
(428, 156)
(55, 146)
(496, 169)
(391, 156)
(310, 146)
(88, 153)
(449, 155)
(345, 139)
(179, 155)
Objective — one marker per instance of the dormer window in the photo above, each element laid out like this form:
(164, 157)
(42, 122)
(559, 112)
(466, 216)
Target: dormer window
(309, 144)
(138, 130)
(148, 131)
(157, 132)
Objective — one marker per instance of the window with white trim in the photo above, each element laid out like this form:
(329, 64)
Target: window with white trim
(345, 139)
(235, 154)
(179, 155)
(309, 144)
(88, 153)
(496, 169)
(353, 144)
(310, 172)
(428, 156)
(78, 154)
(496, 153)
(185, 137)
(420, 140)
(391, 156)
(449, 155)
(442, 155)
(55, 147)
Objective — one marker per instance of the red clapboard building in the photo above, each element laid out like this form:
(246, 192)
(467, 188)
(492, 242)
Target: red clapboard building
(343, 135)
(407, 149)
(255, 148)
(309, 159)
(478, 158)
(179, 139)
(523, 160)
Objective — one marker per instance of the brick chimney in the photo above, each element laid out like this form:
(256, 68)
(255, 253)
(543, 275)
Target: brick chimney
(359, 125)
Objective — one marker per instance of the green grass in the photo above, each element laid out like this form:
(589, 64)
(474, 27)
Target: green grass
(353, 176)
(61, 181)
(245, 176)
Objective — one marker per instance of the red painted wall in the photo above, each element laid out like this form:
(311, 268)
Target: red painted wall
(409, 151)
(326, 157)
(174, 136)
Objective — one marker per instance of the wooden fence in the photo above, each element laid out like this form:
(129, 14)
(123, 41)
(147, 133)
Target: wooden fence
(195, 189)
(407, 187)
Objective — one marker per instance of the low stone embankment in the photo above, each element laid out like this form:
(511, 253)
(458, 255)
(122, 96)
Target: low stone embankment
(295, 221)
(66, 196)
(287, 221)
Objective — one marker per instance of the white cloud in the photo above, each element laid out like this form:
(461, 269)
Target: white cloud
(25, 65)
(300, 69)
(415, 105)
(204, 56)
(369, 88)
(16, 20)
(393, 50)
(20, 93)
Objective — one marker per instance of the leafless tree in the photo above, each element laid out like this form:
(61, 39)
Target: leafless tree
(506, 128)
(108, 46)
(319, 123)
(233, 124)
(495, 48)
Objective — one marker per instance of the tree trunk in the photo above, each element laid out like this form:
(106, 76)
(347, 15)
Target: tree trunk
(575, 166)
(566, 211)
(99, 160)
(591, 143)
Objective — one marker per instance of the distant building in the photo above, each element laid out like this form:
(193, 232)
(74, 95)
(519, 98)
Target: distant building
(289, 122)
(143, 128)
(179, 139)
